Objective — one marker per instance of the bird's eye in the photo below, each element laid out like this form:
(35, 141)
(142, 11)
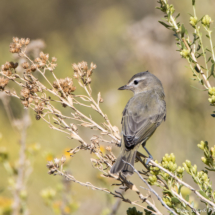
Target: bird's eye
(136, 82)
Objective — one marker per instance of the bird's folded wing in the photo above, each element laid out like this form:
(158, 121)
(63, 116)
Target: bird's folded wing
(136, 130)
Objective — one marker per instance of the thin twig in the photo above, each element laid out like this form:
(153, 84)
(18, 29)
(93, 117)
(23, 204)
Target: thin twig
(150, 188)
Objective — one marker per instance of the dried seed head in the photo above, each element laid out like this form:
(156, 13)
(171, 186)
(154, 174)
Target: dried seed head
(13, 65)
(50, 165)
(33, 67)
(13, 50)
(63, 159)
(73, 127)
(30, 99)
(57, 161)
(28, 71)
(37, 60)
(93, 66)
(89, 72)
(84, 65)
(109, 148)
(25, 103)
(22, 41)
(76, 76)
(38, 117)
(18, 46)
(25, 65)
(15, 39)
(42, 55)
(101, 100)
(88, 81)
(27, 41)
(25, 92)
(36, 101)
(6, 66)
(65, 84)
(3, 83)
(54, 59)
(75, 67)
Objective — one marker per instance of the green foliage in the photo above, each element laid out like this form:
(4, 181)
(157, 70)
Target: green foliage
(133, 211)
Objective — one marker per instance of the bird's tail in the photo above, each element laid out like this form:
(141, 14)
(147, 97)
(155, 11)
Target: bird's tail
(127, 156)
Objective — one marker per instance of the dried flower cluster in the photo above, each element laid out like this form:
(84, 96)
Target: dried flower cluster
(42, 96)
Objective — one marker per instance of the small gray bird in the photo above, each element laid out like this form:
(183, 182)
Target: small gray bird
(143, 113)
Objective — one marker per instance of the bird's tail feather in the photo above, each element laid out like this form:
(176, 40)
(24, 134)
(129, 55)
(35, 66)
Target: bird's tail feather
(119, 165)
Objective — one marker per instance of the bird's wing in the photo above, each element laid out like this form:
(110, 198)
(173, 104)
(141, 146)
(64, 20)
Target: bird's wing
(141, 116)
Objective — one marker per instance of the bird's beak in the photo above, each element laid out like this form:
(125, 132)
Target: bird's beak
(125, 87)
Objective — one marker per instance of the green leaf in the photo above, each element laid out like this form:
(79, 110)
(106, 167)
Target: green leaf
(196, 68)
(208, 59)
(187, 198)
(212, 69)
(193, 2)
(133, 211)
(179, 189)
(175, 200)
(208, 50)
(149, 212)
(164, 24)
(177, 16)
(182, 30)
(203, 194)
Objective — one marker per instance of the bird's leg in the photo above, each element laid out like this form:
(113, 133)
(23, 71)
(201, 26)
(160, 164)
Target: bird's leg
(150, 156)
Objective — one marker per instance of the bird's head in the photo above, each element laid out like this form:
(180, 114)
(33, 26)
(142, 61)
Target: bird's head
(143, 81)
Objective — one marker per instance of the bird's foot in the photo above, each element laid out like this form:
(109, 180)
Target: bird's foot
(149, 159)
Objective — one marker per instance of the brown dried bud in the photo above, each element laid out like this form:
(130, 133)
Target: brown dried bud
(36, 101)
(63, 159)
(38, 117)
(75, 67)
(33, 67)
(28, 71)
(6, 66)
(76, 76)
(50, 165)
(3, 83)
(93, 66)
(25, 92)
(13, 65)
(30, 99)
(15, 39)
(25, 103)
(109, 148)
(89, 72)
(22, 41)
(37, 60)
(25, 65)
(88, 81)
(84, 66)
(73, 127)
(101, 100)
(18, 50)
(13, 50)
(42, 55)
(18, 46)
(27, 41)
(46, 57)
(54, 59)
(41, 65)
(34, 89)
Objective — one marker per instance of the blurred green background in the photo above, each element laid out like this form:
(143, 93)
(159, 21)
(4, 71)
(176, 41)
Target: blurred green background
(123, 38)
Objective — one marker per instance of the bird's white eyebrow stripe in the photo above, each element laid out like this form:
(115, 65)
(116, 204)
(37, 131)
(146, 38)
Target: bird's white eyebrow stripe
(137, 79)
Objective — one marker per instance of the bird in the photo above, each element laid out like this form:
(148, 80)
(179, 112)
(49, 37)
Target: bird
(143, 113)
